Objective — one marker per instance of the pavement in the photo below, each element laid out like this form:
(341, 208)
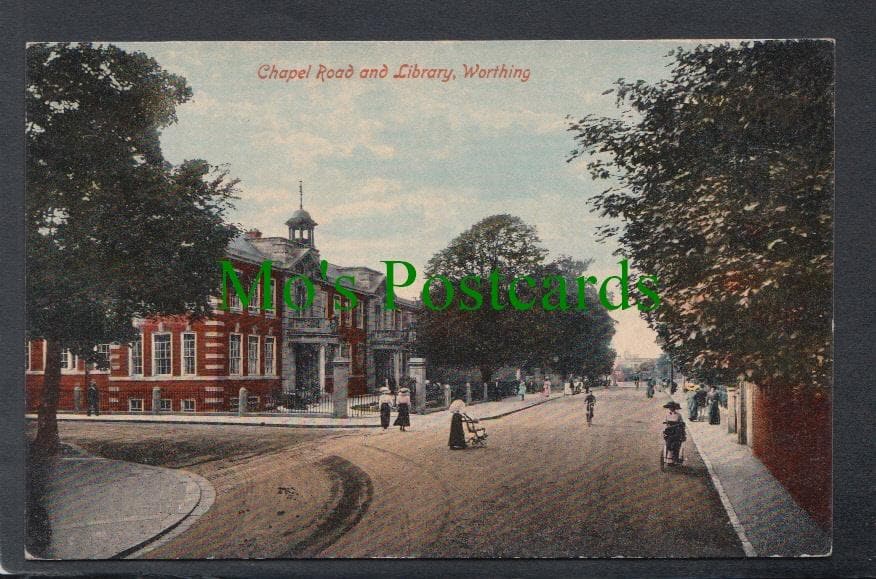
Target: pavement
(105, 509)
(771, 522)
(483, 411)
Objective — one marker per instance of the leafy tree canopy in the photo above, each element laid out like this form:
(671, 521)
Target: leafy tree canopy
(113, 230)
(723, 175)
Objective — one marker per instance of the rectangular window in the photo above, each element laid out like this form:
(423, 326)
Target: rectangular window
(234, 354)
(66, 359)
(233, 299)
(272, 309)
(270, 370)
(360, 315)
(188, 354)
(104, 351)
(161, 354)
(252, 355)
(254, 306)
(166, 405)
(136, 357)
(187, 405)
(345, 350)
(135, 405)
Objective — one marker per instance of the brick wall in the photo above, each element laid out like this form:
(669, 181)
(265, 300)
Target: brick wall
(792, 437)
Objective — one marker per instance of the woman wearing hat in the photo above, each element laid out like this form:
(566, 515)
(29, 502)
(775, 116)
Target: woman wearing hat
(674, 433)
(385, 404)
(457, 434)
(403, 402)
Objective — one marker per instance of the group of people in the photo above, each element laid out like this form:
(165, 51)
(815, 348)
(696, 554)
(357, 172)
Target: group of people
(402, 403)
(709, 401)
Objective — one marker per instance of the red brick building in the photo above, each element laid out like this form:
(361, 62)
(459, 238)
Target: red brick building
(201, 365)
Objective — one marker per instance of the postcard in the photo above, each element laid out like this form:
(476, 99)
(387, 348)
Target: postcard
(456, 299)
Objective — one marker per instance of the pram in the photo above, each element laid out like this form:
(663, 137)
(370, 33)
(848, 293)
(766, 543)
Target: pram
(478, 434)
(674, 436)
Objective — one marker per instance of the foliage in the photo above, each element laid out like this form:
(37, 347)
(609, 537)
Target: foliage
(488, 338)
(113, 231)
(723, 174)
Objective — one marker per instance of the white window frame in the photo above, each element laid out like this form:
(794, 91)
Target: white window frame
(250, 371)
(360, 315)
(105, 350)
(155, 352)
(68, 360)
(165, 408)
(234, 304)
(231, 357)
(272, 371)
(255, 306)
(345, 348)
(131, 357)
(182, 354)
(131, 406)
(272, 311)
(182, 405)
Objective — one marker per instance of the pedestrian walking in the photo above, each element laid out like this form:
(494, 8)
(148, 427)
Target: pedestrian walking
(546, 388)
(692, 404)
(403, 404)
(93, 400)
(649, 391)
(636, 380)
(712, 400)
(521, 389)
(457, 434)
(567, 389)
(384, 402)
(576, 388)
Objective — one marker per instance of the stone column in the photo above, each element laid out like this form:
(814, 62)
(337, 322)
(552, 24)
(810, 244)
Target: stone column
(322, 368)
(77, 399)
(731, 409)
(288, 366)
(340, 375)
(486, 392)
(243, 398)
(447, 395)
(417, 368)
(156, 399)
(396, 368)
(468, 392)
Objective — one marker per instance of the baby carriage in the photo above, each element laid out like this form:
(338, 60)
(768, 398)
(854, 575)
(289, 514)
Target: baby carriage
(672, 453)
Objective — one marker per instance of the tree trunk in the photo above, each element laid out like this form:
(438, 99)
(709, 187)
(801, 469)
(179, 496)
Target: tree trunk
(47, 441)
(486, 374)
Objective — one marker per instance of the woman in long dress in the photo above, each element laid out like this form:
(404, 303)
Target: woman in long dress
(457, 433)
(385, 405)
(712, 400)
(403, 402)
(546, 388)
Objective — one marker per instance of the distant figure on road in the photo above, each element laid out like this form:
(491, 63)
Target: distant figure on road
(636, 380)
(546, 388)
(93, 400)
(712, 400)
(576, 385)
(567, 389)
(385, 404)
(649, 392)
(521, 389)
(673, 387)
(457, 434)
(403, 401)
(692, 404)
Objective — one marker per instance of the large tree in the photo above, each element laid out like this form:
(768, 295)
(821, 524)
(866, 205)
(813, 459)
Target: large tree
(113, 230)
(488, 338)
(723, 175)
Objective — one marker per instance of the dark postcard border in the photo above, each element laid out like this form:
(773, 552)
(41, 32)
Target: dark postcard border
(847, 22)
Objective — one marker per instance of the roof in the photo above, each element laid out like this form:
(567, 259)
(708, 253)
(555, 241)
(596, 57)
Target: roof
(300, 217)
(241, 247)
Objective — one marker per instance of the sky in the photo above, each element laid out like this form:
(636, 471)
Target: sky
(396, 168)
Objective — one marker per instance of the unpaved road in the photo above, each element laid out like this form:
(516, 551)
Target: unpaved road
(545, 486)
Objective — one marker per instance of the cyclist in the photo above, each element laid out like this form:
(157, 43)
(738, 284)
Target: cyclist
(590, 399)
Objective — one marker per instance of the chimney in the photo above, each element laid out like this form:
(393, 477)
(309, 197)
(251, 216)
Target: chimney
(253, 234)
